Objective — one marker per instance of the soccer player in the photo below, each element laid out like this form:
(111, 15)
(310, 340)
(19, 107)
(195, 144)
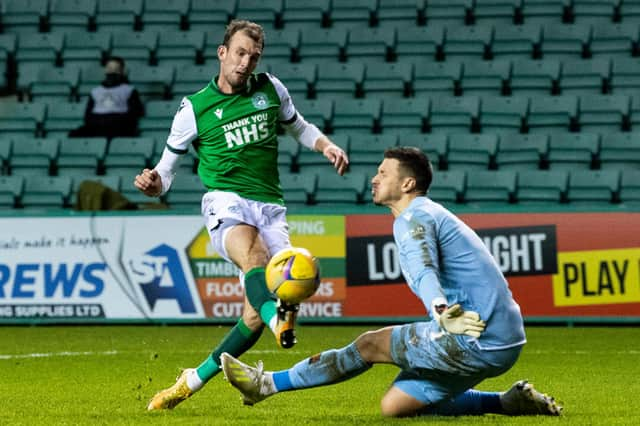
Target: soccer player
(232, 124)
(475, 332)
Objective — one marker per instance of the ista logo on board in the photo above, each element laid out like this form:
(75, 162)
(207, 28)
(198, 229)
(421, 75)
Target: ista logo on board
(160, 276)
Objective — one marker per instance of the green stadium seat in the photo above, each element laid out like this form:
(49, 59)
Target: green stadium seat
(91, 75)
(49, 84)
(388, 80)
(448, 186)
(335, 189)
(50, 192)
(485, 77)
(39, 48)
(454, 114)
(283, 46)
(516, 41)
(552, 114)
(471, 152)
(534, 77)
(490, 187)
(405, 114)
(635, 111)
(496, 12)
(202, 17)
(452, 13)
(625, 75)
(579, 76)
(5, 155)
(165, 15)
(420, 42)
(8, 44)
(630, 187)
(503, 114)
(265, 12)
(354, 13)
(544, 11)
(298, 78)
(433, 78)
(158, 117)
(11, 190)
(21, 119)
(593, 187)
(604, 113)
(573, 151)
(367, 151)
(306, 14)
(562, 41)
(522, 152)
(186, 192)
(620, 151)
(401, 13)
(288, 150)
(298, 188)
(191, 78)
(136, 48)
(470, 42)
(84, 48)
(371, 44)
(128, 156)
(119, 15)
(323, 45)
(72, 15)
(542, 187)
(629, 11)
(152, 83)
(356, 116)
(24, 16)
(63, 117)
(594, 11)
(339, 80)
(180, 48)
(316, 111)
(34, 157)
(434, 145)
(614, 39)
(81, 156)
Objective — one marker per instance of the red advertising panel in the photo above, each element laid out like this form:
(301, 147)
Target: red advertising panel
(557, 264)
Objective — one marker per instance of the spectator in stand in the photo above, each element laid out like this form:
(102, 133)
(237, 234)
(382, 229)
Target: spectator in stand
(114, 107)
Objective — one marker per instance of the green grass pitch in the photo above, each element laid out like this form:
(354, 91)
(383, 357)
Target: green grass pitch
(79, 375)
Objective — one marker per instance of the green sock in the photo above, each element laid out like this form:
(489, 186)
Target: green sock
(237, 341)
(262, 300)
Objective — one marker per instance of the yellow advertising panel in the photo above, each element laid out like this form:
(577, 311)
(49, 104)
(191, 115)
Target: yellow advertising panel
(597, 277)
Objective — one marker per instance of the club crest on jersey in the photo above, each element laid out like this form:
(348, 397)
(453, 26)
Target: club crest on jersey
(260, 100)
(218, 113)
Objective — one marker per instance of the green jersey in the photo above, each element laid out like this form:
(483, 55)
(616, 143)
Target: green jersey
(236, 140)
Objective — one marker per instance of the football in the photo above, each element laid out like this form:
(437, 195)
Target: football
(293, 274)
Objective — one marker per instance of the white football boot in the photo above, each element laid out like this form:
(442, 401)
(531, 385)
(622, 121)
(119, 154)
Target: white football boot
(252, 382)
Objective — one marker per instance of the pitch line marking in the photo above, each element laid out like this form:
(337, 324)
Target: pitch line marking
(56, 354)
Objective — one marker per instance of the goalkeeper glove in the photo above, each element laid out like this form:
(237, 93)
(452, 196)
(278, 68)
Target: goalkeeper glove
(454, 320)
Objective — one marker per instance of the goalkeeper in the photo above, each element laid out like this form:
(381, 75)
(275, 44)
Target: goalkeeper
(475, 332)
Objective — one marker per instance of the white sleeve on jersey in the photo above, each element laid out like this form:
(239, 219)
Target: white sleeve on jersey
(293, 122)
(183, 131)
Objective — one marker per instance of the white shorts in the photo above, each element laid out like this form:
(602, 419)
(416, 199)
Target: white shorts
(224, 210)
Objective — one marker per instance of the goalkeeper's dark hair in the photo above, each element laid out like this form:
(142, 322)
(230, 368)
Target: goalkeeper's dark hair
(413, 163)
(251, 29)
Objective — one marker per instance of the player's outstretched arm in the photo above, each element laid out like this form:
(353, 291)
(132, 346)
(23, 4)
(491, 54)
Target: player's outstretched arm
(149, 183)
(334, 154)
